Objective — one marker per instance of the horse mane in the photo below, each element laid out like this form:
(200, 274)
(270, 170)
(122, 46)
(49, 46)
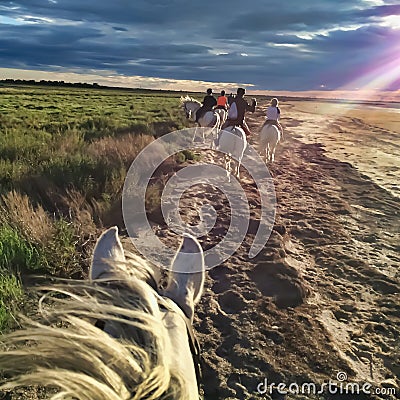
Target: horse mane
(187, 98)
(63, 347)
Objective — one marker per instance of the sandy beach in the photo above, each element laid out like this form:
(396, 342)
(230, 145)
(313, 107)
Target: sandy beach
(322, 298)
(366, 136)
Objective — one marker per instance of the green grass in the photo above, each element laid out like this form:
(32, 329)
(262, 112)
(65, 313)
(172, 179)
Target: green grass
(64, 153)
(42, 127)
(94, 112)
(56, 256)
(16, 253)
(10, 299)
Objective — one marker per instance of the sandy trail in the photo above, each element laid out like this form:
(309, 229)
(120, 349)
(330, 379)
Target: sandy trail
(323, 296)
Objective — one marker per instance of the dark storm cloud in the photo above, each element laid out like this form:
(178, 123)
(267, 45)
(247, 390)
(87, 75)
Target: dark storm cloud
(265, 43)
(120, 29)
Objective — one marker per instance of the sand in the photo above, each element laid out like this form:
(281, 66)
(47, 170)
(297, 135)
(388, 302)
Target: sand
(368, 137)
(323, 296)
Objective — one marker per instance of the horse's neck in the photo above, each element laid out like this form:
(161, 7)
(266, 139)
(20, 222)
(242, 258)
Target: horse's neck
(193, 107)
(180, 362)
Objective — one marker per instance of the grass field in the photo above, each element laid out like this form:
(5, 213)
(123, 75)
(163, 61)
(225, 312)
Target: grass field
(64, 153)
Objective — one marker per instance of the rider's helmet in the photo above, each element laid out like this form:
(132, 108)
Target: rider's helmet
(209, 91)
(241, 91)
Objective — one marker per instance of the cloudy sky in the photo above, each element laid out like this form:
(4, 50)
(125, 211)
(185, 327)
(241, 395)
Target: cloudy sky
(269, 45)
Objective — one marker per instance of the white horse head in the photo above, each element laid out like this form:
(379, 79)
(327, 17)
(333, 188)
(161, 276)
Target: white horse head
(190, 106)
(270, 136)
(233, 142)
(115, 336)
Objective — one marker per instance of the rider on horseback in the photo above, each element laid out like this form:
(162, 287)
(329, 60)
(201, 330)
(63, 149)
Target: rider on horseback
(273, 115)
(222, 101)
(237, 111)
(208, 103)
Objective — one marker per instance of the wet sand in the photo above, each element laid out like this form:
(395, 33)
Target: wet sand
(367, 137)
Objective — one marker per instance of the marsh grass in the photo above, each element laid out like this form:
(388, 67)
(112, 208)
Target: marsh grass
(64, 155)
(32, 241)
(10, 299)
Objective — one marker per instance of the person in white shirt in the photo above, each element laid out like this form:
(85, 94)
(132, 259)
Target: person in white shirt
(273, 114)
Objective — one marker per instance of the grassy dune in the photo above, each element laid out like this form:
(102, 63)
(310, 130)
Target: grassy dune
(64, 153)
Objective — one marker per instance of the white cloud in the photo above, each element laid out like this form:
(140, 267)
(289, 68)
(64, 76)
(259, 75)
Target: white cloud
(292, 45)
(391, 21)
(31, 19)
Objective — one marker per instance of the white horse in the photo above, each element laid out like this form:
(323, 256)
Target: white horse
(211, 119)
(233, 142)
(270, 136)
(116, 336)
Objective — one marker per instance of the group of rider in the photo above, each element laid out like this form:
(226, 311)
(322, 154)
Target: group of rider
(236, 108)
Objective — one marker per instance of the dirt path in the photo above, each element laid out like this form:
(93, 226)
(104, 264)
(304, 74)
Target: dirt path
(323, 295)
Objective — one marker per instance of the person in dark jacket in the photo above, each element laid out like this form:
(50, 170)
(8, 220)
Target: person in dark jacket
(237, 111)
(209, 102)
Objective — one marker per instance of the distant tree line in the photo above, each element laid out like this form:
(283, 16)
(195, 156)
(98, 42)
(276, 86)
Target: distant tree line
(50, 83)
(32, 82)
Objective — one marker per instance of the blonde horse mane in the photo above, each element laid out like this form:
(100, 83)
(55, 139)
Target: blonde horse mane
(63, 348)
(187, 98)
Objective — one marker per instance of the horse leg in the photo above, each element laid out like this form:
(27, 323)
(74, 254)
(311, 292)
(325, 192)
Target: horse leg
(238, 169)
(273, 153)
(195, 133)
(212, 146)
(215, 130)
(262, 150)
(228, 167)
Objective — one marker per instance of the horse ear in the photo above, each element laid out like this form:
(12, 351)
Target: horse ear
(186, 277)
(189, 258)
(108, 250)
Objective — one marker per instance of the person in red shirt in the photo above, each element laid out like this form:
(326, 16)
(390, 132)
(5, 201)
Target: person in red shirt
(222, 101)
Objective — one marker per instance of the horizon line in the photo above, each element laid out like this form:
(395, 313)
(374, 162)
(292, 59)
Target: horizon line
(192, 86)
